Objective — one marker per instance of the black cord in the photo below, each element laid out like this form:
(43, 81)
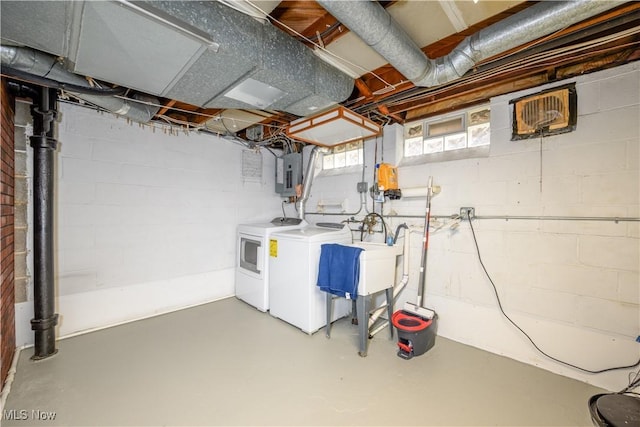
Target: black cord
(384, 226)
(495, 291)
(633, 383)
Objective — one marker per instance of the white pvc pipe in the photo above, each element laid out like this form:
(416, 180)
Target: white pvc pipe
(418, 192)
(403, 282)
(414, 192)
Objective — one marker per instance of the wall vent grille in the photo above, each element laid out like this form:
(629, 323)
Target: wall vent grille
(546, 113)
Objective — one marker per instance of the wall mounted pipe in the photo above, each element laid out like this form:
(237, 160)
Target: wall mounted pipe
(30, 62)
(44, 145)
(308, 181)
(615, 219)
(373, 24)
(397, 289)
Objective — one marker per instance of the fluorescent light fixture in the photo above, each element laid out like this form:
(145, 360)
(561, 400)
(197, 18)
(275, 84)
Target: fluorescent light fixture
(256, 93)
(334, 61)
(333, 127)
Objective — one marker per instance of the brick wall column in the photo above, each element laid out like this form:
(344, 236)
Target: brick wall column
(7, 300)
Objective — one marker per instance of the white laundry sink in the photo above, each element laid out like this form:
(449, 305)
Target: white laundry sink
(377, 266)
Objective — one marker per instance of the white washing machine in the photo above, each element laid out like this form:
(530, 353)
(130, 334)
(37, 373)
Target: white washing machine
(252, 263)
(293, 273)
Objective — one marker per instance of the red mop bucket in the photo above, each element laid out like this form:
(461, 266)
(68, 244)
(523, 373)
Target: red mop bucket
(416, 335)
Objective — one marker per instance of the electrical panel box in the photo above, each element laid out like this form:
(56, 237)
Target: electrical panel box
(288, 173)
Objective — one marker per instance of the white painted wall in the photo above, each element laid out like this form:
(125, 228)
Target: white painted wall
(146, 221)
(573, 286)
(146, 224)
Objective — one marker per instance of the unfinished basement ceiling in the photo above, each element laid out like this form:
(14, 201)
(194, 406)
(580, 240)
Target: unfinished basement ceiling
(229, 65)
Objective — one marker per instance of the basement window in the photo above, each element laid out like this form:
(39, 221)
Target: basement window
(460, 132)
(344, 156)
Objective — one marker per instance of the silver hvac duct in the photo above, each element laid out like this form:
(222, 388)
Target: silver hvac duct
(308, 181)
(203, 53)
(39, 64)
(141, 112)
(373, 24)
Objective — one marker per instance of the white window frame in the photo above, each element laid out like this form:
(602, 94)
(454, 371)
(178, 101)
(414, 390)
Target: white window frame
(447, 145)
(341, 155)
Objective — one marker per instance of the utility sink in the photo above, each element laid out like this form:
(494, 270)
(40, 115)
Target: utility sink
(377, 266)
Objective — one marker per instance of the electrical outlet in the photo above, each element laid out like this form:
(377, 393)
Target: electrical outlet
(363, 187)
(467, 213)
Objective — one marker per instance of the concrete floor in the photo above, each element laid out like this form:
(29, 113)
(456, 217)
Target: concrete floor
(225, 363)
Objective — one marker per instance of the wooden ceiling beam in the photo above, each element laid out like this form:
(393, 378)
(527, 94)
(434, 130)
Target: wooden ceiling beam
(170, 103)
(204, 115)
(437, 49)
(375, 91)
(472, 96)
(304, 17)
(363, 89)
(310, 19)
(446, 45)
(298, 15)
(385, 110)
(595, 64)
(465, 97)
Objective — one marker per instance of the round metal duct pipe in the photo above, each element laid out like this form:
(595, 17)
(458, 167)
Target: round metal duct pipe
(373, 24)
(41, 65)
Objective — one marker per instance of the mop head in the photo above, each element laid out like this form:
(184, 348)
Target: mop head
(416, 310)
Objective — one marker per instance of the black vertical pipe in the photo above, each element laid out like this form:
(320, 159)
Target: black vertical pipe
(44, 145)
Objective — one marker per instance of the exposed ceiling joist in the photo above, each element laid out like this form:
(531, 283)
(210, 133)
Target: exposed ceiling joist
(380, 92)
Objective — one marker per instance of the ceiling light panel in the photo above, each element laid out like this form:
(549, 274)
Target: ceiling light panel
(334, 127)
(256, 93)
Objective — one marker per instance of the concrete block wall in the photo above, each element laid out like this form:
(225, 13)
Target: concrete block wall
(572, 285)
(22, 175)
(146, 220)
(340, 186)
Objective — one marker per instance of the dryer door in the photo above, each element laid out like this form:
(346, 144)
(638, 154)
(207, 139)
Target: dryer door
(251, 251)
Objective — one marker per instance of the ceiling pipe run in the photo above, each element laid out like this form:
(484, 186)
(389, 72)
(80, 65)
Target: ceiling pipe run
(41, 65)
(373, 24)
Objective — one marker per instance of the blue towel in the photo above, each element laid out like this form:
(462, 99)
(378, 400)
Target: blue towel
(339, 270)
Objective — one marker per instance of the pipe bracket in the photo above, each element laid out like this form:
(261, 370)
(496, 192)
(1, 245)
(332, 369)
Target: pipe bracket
(46, 116)
(44, 324)
(46, 142)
